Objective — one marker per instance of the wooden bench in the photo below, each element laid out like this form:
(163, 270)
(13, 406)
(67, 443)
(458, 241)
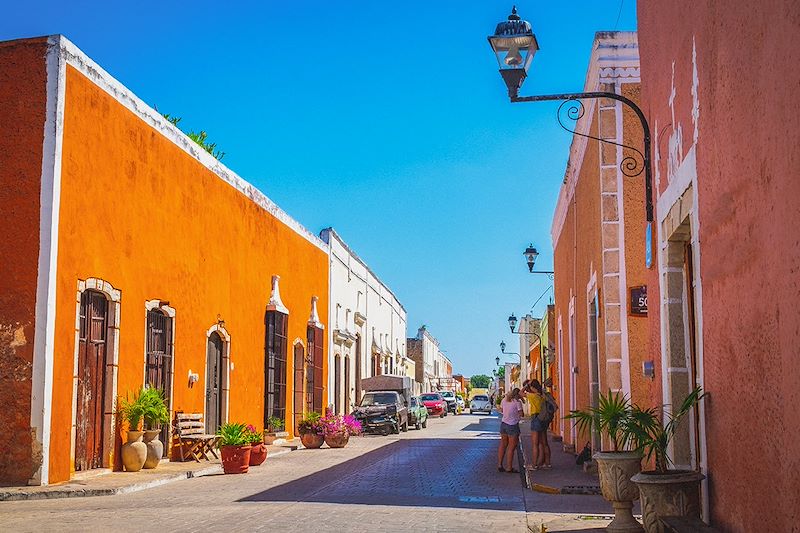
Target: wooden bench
(191, 438)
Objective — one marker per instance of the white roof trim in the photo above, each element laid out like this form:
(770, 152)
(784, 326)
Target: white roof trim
(81, 62)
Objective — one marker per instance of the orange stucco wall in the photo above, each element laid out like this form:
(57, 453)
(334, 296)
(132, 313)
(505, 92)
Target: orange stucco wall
(143, 215)
(23, 99)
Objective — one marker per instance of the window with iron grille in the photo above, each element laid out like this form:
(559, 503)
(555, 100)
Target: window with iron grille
(159, 359)
(316, 344)
(275, 366)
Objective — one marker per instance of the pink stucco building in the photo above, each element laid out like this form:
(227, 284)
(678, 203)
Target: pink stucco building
(719, 86)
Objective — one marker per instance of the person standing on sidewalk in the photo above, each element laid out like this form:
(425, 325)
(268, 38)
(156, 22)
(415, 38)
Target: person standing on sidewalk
(511, 408)
(541, 449)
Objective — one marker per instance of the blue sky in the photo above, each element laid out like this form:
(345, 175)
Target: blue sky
(387, 121)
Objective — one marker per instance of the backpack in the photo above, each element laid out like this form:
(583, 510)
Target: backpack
(549, 409)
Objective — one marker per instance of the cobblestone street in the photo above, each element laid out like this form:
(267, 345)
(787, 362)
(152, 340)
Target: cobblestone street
(442, 478)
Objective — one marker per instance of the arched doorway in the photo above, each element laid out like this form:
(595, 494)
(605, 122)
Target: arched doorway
(158, 361)
(91, 386)
(214, 352)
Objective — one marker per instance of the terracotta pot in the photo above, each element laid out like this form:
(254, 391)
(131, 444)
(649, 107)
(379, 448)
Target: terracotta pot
(616, 470)
(235, 459)
(337, 441)
(311, 440)
(155, 448)
(675, 493)
(134, 452)
(258, 453)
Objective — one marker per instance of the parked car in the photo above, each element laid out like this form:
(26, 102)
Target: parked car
(480, 403)
(434, 403)
(382, 412)
(450, 398)
(417, 413)
(461, 403)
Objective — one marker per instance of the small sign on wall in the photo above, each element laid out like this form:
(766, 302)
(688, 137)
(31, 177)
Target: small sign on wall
(638, 301)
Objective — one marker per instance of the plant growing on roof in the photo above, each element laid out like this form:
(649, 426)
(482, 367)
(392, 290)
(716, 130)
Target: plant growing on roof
(200, 138)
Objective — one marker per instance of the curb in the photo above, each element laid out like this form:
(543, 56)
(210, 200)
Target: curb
(80, 492)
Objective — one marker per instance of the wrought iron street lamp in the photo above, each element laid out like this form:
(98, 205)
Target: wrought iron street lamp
(514, 45)
(531, 254)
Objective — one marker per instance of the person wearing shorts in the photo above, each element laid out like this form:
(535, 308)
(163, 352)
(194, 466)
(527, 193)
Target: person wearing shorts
(511, 407)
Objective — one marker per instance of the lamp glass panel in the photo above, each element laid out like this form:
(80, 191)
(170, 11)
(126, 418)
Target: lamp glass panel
(514, 52)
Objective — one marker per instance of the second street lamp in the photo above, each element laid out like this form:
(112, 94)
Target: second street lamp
(531, 254)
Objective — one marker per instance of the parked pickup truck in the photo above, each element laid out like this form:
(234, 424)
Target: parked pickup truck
(384, 407)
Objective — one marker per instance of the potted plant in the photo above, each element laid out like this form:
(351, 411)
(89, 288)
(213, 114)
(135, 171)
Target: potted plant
(274, 430)
(665, 492)
(616, 466)
(258, 450)
(336, 429)
(234, 448)
(155, 413)
(310, 430)
(131, 409)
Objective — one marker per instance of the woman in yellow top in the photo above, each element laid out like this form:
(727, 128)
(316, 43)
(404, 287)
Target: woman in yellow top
(536, 403)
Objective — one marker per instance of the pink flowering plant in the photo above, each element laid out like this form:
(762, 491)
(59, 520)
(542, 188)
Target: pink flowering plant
(252, 435)
(332, 425)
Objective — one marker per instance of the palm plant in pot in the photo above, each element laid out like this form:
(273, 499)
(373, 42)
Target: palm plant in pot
(664, 491)
(131, 409)
(155, 414)
(234, 448)
(612, 418)
(311, 431)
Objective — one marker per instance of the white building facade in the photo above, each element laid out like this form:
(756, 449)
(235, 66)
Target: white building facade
(434, 370)
(367, 333)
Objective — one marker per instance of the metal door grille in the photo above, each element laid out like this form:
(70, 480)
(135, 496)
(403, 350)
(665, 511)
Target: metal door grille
(159, 361)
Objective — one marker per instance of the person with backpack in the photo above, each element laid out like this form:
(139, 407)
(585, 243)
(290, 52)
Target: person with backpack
(542, 411)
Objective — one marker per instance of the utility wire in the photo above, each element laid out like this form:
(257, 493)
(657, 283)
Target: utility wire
(621, 3)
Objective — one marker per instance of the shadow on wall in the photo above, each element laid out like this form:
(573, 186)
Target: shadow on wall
(454, 473)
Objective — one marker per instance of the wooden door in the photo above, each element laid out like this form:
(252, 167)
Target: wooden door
(159, 362)
(213, 415)
(337, 380)
(89, 430)
(346, 386)
(299, 378)
(358, 368)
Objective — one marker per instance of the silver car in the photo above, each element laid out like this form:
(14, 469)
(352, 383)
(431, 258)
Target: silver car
(480, 403)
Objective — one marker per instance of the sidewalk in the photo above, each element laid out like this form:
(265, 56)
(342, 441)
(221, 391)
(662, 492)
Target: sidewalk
(109, 483)
(576, 504)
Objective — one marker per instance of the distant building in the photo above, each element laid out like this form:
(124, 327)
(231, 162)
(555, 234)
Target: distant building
(432, 365)
(368, 326)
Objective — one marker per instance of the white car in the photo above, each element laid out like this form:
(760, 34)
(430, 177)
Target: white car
(480, 403)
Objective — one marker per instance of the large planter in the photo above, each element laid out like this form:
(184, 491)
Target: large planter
(675, 493)
(155, 448)
(134, 452)
(337, 441)
(616, 470)
(258, 454)
(235, 459)
(311, 440)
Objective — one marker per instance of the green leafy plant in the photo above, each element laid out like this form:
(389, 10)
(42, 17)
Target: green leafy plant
(132, 409)
(653, 437)
(612, 416)
(155, 412)
(200, 138)
(253, 435)
(233, 434)
(275, 424)
(310, 423)
(480, 381)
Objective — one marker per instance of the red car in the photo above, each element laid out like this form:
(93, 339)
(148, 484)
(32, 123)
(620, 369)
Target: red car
(434, 403)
